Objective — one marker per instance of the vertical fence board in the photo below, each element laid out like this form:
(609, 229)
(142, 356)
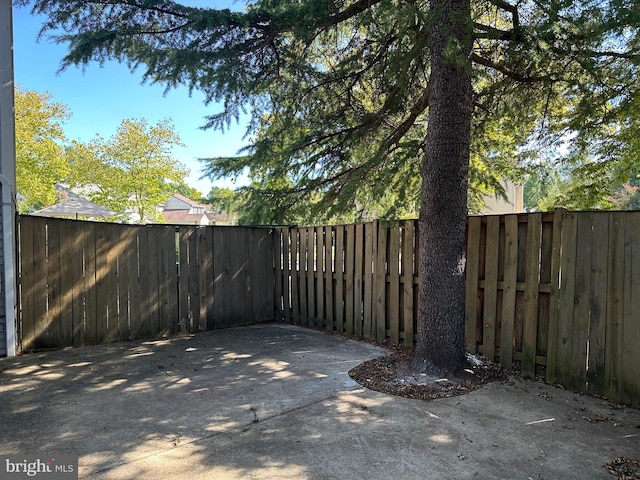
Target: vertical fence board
(380, 285)
(509, 291)
(153, 272)
(598, 304)
(558, 218)
(471, 282)
(408, 259)
(358, 307)
(615, 311)
(266, 279)
(221, 290)
(54, 293)
(130, 307)
(394, 283)
(532, 275)
(169, 271)
(328, 277)
(207, 296)
(194, 280)
(492, 244)
(295, 275)
(287, 280)
(566, 298)
(631, 327)
(104, 284)
(339, 265)
(369, 259)
(27, 284)
(39, 298)
(183, 280)
(71, 234)
(320, 272)
(580, 329)
(349, 268)
(319, 277)
(238, 250)
(311, 291)
(124, 257)
(278, 272)
(302, 273)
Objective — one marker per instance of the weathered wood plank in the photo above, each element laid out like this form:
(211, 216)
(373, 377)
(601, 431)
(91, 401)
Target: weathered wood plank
(103, 283)
(72, 282)
(27, 284)
(194, 279)
(287, 274)
(153, 270)
(358, 276)
(408, 262)
(278, 260)
(311, 291)
(615, 310)
(266, 279)
(53, 337)
(598, 303)
(394, 283)
(125, 257)
(237, 306)
(631, 327)
(582, 304)
(39, 298)
(295, 275)
(169, 300)
(122, 287)
(380, 283)
(303, 249)
(566, 297)
(369, 260)
(509, 291)
(532, 277)
(221, 285)
(491, 287)
(471, 282)
(349, 277)
(320, 271)
(328, 277)
(183, 280)
(552, 346)
(339, 290)
(207, 278)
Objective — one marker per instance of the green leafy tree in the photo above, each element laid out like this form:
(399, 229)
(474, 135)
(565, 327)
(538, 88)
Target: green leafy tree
(129, 172)
(352, 92)
(40, 156)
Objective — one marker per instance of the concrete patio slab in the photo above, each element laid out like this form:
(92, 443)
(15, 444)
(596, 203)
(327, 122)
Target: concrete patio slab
(275, 401)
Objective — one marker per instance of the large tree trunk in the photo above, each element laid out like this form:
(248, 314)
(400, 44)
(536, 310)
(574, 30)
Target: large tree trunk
(443, 211)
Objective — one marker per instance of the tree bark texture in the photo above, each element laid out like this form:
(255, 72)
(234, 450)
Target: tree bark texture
(440, 348)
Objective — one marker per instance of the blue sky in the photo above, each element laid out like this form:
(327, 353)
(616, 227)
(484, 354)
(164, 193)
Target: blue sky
(101, 97)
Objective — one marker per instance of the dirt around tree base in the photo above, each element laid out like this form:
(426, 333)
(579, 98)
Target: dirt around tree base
(624, 468)
(392, 374)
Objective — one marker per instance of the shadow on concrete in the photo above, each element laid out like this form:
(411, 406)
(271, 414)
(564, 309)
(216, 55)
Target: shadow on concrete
(275, 401)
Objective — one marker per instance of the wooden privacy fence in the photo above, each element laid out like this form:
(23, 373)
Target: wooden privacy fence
(554, 294)
(85, 283)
